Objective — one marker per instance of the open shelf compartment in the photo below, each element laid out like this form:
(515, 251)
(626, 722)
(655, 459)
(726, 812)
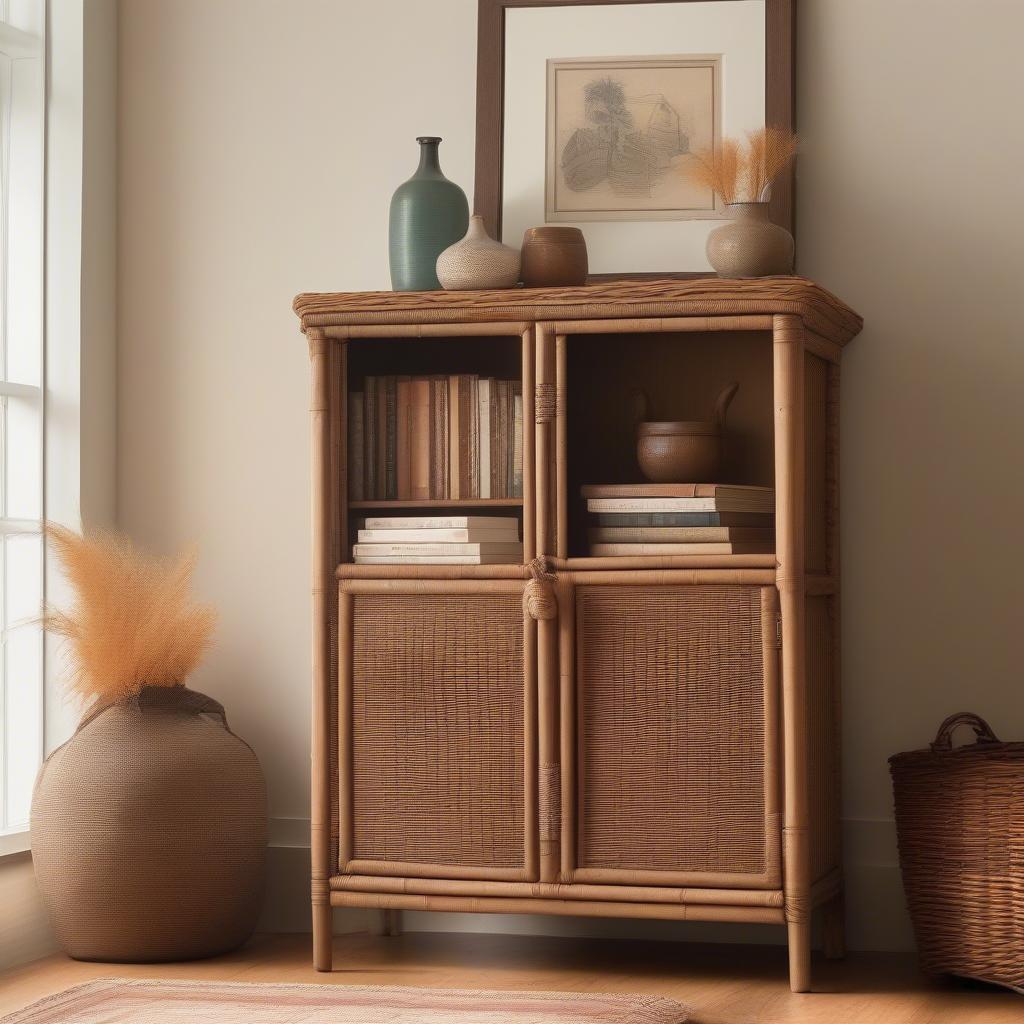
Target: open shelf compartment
(503, 351)
(599, 367)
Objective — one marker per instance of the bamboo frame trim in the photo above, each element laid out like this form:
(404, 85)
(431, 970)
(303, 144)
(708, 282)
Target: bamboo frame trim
(542, 890)
(561, 449)
(427, 330)
(400, 869)
(531, 817)
(549, 760)
(351, 571)
(788, 373)
(832, 563)
(773, 802)
(565, 594)
(430, 586)
(555, 907)
(543, 430)
(605, 562)
(345, 808)
(527, 376)
(659, 325)
(347, 863)
(667, 577)
(320, 809)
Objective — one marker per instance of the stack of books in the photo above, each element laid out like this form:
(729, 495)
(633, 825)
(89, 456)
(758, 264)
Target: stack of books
(458, 436)
(680, 519)
(438, 540)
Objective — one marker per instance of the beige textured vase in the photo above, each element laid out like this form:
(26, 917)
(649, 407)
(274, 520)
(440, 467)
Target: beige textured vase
(749, 245)
(478, 261)
(149, 832)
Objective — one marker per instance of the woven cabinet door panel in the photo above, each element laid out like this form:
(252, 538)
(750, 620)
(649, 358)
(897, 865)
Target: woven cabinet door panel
(675, 729)
(437, 734)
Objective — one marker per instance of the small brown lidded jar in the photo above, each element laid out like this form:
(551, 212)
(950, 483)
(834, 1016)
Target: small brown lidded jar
(553, 257)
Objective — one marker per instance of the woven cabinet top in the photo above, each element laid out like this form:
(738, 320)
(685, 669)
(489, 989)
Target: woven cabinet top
(821, 311)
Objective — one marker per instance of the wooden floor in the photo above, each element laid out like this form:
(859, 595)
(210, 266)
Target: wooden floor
(723, 984)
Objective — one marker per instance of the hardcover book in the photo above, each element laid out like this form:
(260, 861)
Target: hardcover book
(356, 481)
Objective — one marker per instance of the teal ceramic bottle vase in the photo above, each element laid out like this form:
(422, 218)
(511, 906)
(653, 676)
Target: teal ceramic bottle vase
(428, 213)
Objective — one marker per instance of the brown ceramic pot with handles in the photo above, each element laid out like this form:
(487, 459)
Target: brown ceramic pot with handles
(149, 832)
(682, 451)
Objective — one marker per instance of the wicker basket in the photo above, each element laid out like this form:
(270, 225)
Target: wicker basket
(960, 823)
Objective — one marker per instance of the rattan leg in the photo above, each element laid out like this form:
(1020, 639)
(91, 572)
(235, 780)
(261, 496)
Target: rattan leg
(800, 956)
(386, 922)
(323, 953)
(834, 928)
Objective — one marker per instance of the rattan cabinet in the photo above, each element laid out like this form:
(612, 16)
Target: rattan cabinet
(609, 737)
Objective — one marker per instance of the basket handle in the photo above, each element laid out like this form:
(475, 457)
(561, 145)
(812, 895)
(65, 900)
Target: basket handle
(982, 730)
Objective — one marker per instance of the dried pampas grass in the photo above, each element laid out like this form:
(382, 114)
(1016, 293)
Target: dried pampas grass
(743, 174)
(719, 169)
(768, 151)
(133, 624)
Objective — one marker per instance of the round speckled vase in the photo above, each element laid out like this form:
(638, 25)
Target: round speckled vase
(749, 244)
(478, 261)
(428, 213)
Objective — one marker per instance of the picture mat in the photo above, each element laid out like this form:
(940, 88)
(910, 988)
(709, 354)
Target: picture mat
(681, 93)
(735, 29)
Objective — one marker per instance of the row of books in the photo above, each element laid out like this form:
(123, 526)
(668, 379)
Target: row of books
(458, 436)
(438, 540)
(680, 519)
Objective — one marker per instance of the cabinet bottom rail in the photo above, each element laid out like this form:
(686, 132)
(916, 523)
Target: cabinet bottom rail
(384, 885)
(556, 907)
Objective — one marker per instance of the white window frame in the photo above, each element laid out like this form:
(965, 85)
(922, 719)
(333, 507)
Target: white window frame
(18, 45)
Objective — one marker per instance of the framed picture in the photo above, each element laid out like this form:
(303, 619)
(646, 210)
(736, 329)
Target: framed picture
(588, 112)
(621, 132)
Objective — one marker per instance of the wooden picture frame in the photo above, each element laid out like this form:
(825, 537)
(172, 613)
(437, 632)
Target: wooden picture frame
(490, 104)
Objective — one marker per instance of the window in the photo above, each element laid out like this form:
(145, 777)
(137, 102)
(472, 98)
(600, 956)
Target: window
(22, 135)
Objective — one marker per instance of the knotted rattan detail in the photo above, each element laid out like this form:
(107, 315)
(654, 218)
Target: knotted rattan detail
(545, 403)
(550, 801)
(539, 595)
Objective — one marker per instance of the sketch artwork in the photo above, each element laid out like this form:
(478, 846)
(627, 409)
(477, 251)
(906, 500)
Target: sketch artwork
(620, 131)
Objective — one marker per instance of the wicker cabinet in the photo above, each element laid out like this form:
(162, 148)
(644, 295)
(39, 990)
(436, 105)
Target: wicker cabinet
(608, 737)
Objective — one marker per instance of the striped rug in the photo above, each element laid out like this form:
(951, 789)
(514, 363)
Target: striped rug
(117, 1000)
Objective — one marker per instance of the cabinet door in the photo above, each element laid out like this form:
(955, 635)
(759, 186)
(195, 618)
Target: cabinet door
(673, 751)
(437, 730)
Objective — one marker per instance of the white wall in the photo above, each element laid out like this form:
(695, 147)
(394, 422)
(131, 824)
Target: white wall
(260, 143)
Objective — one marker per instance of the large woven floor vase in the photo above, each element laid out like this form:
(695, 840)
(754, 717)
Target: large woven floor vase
(149, 832)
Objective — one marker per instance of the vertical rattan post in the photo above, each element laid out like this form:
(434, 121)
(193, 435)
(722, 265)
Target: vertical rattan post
(320, 811)
(565, 592)
(544, 410)
(834, 918)
(549, 760)
(790, 533)
(529, 445)
(561, 449)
